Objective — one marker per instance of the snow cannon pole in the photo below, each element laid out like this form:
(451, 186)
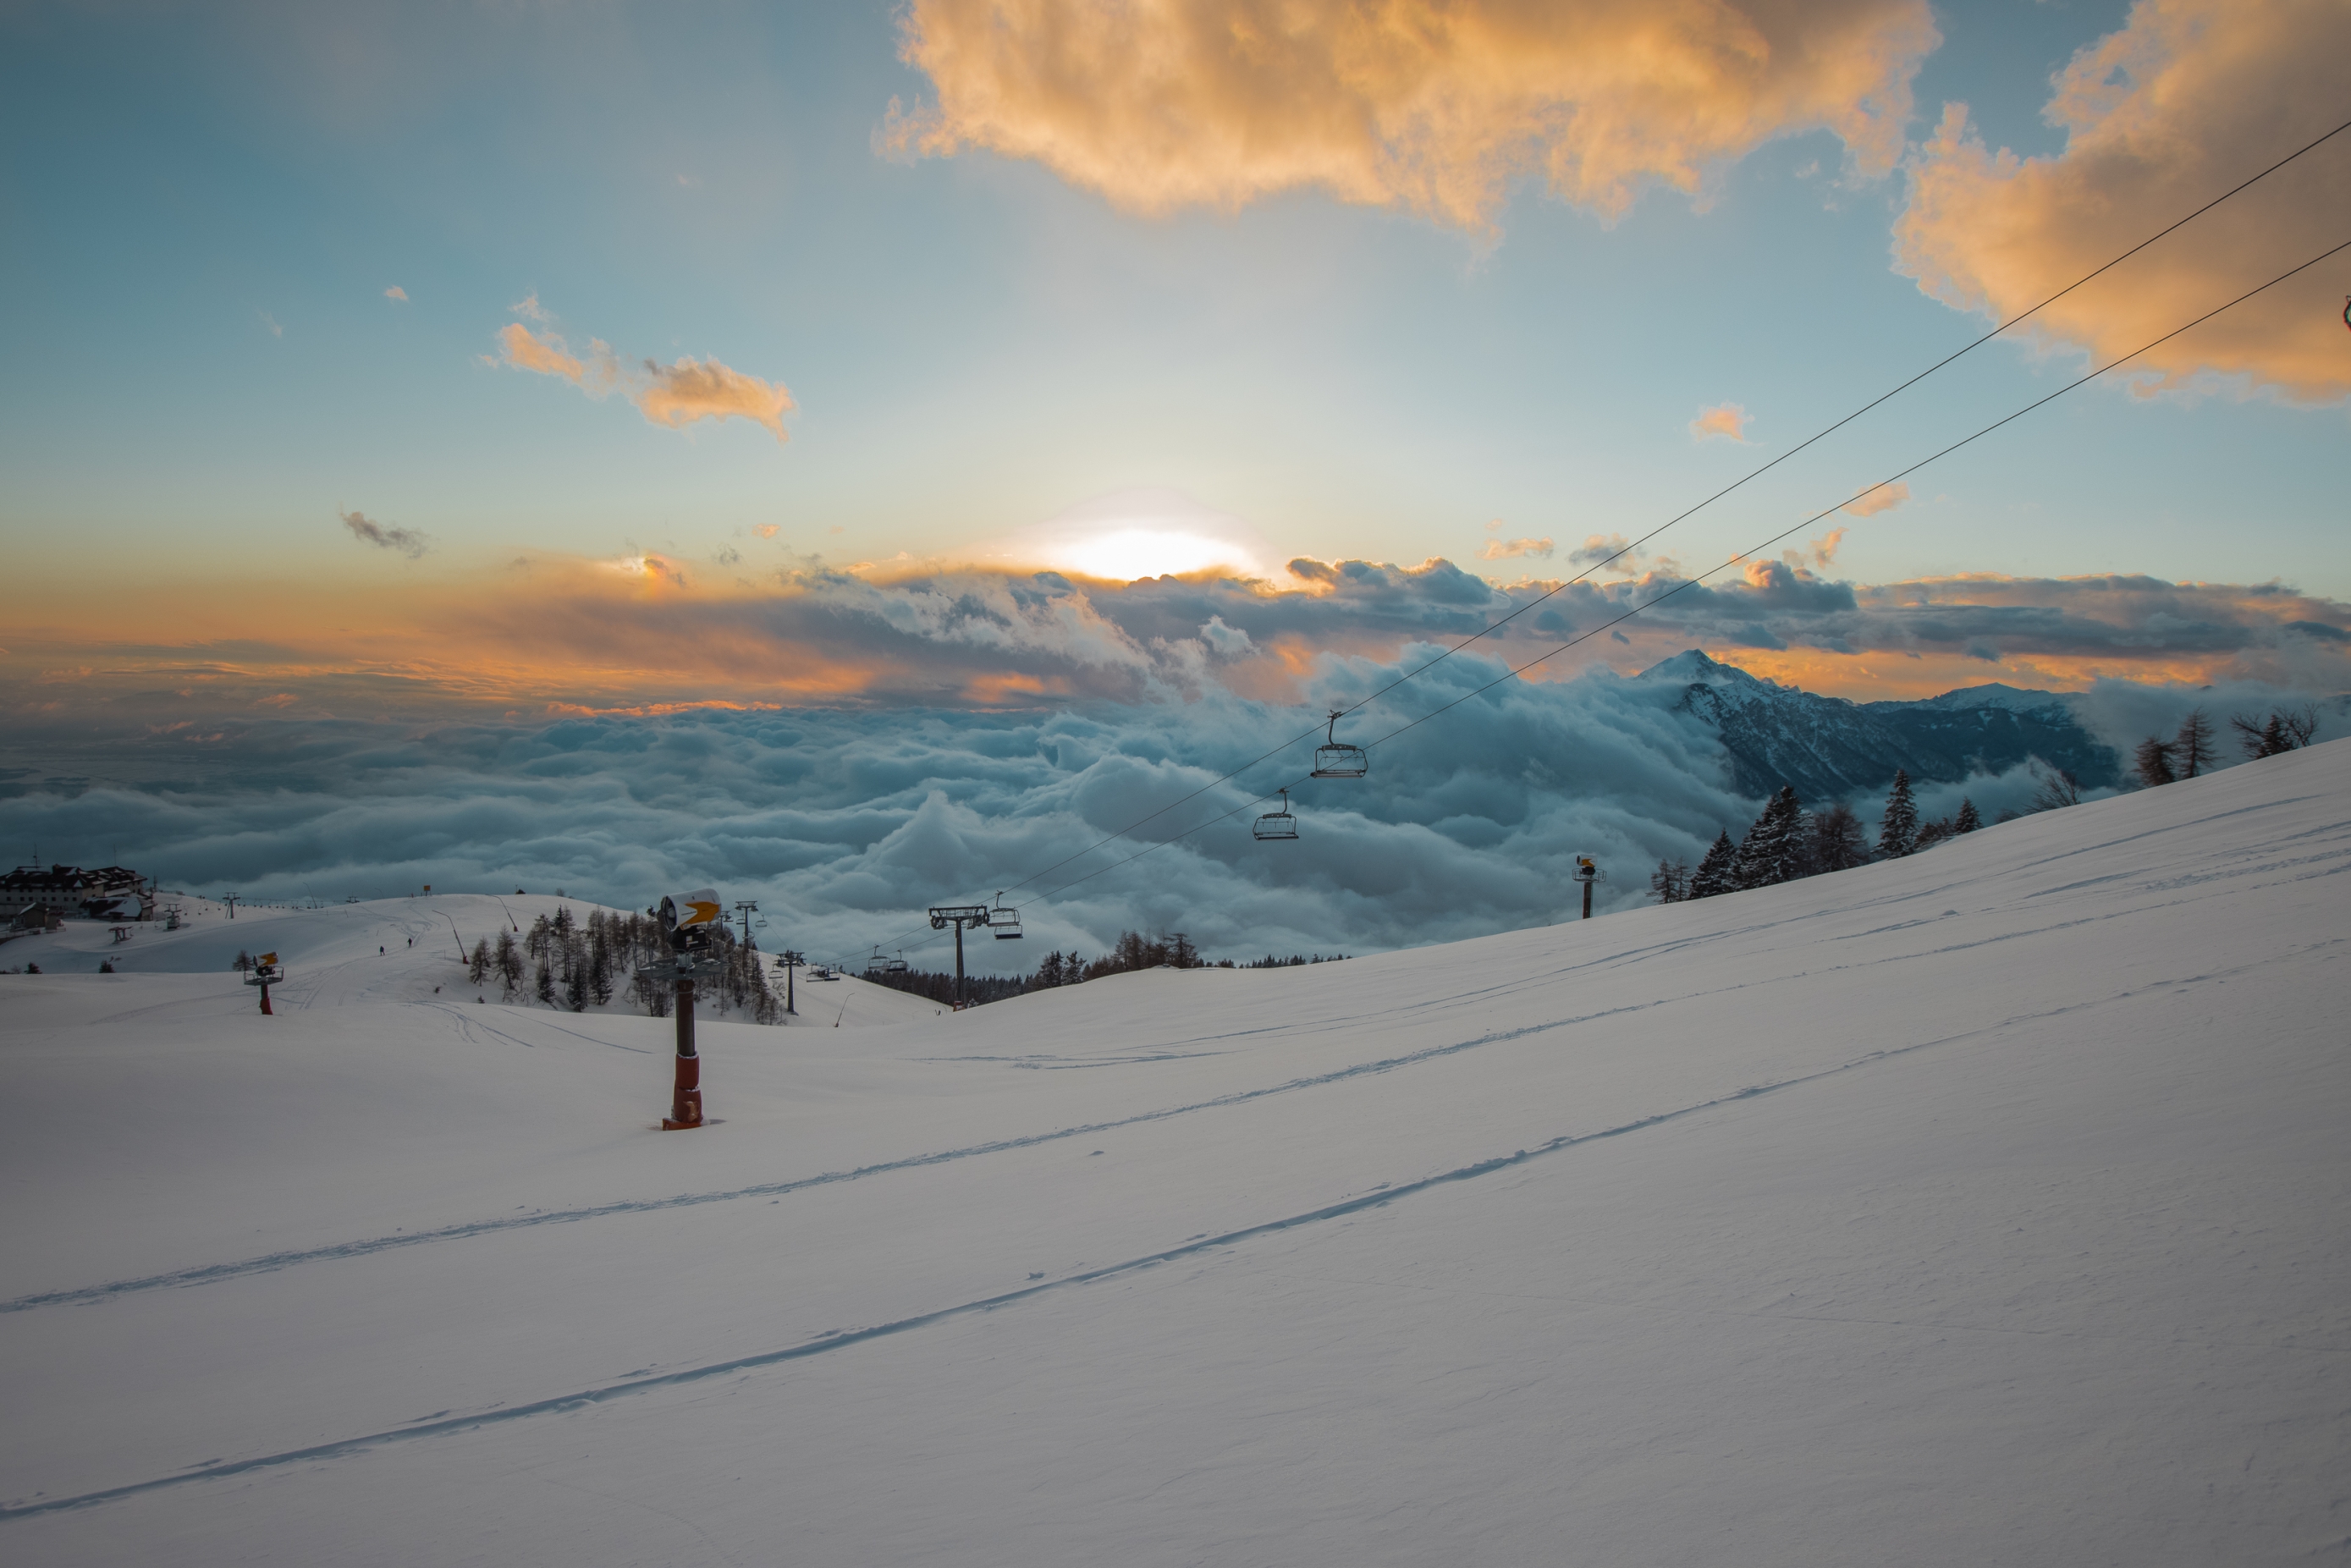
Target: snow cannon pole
(689, 920)
(264, 974)
(686, 1096)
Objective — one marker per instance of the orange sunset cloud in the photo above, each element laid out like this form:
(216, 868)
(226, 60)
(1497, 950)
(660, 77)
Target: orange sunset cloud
(2184, 101)
(674, 395)
(1434, 108)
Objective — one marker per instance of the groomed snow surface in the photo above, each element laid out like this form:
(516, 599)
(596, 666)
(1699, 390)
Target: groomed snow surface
(1983, 1208)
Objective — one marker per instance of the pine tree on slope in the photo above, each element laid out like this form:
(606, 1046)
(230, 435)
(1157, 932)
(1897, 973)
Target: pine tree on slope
(1717, 872)
(1898, 832)
(1968, 819)
(1773, 849)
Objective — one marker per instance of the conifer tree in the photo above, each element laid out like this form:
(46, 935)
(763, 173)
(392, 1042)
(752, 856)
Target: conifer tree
(1838, 841)
(2193, 745)
(545, 989)
(1717, 872)
(1968, 819)
(477, 968)
(1897, 831)
(1769, 853)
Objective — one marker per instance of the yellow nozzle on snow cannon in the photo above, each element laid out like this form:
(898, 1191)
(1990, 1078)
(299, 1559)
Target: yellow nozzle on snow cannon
(683, 914)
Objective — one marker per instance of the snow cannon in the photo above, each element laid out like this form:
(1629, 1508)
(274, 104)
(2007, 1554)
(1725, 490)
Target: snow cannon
(265, 974)
(687, 919)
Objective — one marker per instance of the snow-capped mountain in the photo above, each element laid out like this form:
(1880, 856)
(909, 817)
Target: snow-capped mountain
(1829, 748)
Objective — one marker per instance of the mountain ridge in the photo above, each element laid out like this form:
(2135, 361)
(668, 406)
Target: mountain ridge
(1832, 748)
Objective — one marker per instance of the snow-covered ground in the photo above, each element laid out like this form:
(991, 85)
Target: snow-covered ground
(381, 950)
(1983, 1208)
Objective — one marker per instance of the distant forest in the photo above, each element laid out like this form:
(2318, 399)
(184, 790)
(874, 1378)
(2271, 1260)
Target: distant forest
(1786, 841)
(1132, 952)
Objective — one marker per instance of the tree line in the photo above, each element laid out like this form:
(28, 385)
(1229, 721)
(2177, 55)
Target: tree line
(2189, 750)
(1786, 843)
(565, 963)
(1132, 952)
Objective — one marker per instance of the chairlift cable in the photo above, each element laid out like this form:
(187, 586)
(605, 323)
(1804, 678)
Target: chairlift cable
(1865, 408)
(1817, 516)
(1734, 560)
(1411, 674)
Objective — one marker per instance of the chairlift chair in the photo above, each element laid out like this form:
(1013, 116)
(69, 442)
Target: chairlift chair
(1338, 760)
(1280, 824)
(1004, 924)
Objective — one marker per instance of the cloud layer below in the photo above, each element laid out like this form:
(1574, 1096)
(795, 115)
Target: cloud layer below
(847, 823)
(654, 634)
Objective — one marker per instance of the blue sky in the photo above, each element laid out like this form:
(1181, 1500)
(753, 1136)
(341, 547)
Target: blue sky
(601, 444)
(207, 206)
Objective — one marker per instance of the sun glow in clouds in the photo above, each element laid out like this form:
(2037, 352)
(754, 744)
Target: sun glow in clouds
(1143, 533)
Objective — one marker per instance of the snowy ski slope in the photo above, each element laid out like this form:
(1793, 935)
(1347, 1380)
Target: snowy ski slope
(1983, 1208)
(331, 953)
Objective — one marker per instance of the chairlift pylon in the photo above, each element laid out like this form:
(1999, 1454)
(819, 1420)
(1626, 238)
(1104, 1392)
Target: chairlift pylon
(1337, 759)
(1280, 824)
(1004, 924)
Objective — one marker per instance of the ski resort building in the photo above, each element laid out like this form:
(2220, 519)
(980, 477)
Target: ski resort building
(110, 892)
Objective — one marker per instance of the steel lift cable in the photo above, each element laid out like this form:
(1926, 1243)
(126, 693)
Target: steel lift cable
(1756, 473)
(1735, 560)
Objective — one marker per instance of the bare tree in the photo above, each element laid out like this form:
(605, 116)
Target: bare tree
(2058, 789)
(2286, 729)
(2152, 762)
(2193, 745)
(1839, 841)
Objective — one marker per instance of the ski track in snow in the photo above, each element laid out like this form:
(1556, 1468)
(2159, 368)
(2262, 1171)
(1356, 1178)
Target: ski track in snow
(843, 1339)
(213, 1273)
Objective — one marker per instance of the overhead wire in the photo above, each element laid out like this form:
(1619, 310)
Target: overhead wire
(1754, 474)
(1687, 513)
(1740, 559)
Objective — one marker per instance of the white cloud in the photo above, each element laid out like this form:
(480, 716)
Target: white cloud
(1723, 422)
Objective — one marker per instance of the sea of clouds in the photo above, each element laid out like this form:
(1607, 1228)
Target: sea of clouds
(847, 823)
